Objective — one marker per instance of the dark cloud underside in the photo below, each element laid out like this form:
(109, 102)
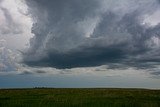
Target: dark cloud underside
(84, 33)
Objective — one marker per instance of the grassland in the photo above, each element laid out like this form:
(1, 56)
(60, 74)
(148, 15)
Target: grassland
(79, 98)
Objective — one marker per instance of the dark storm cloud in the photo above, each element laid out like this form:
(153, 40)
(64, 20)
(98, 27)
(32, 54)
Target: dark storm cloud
(90, 56)
(83, 33)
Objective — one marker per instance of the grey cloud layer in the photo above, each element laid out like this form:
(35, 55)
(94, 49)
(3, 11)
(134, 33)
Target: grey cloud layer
(82, 33)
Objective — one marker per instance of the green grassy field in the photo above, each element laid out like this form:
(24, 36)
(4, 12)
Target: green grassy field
(79, 98)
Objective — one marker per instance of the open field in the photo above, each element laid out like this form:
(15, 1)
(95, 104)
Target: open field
(79, 98)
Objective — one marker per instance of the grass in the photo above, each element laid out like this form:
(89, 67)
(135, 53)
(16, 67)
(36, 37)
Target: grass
(79, 98)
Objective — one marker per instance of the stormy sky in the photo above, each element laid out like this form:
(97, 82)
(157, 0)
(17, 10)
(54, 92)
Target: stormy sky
(80, 37)
(80, 33)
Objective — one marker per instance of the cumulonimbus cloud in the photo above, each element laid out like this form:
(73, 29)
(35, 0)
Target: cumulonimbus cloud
(82, 33)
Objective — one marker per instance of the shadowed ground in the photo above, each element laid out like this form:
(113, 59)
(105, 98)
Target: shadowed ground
(79, 98)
